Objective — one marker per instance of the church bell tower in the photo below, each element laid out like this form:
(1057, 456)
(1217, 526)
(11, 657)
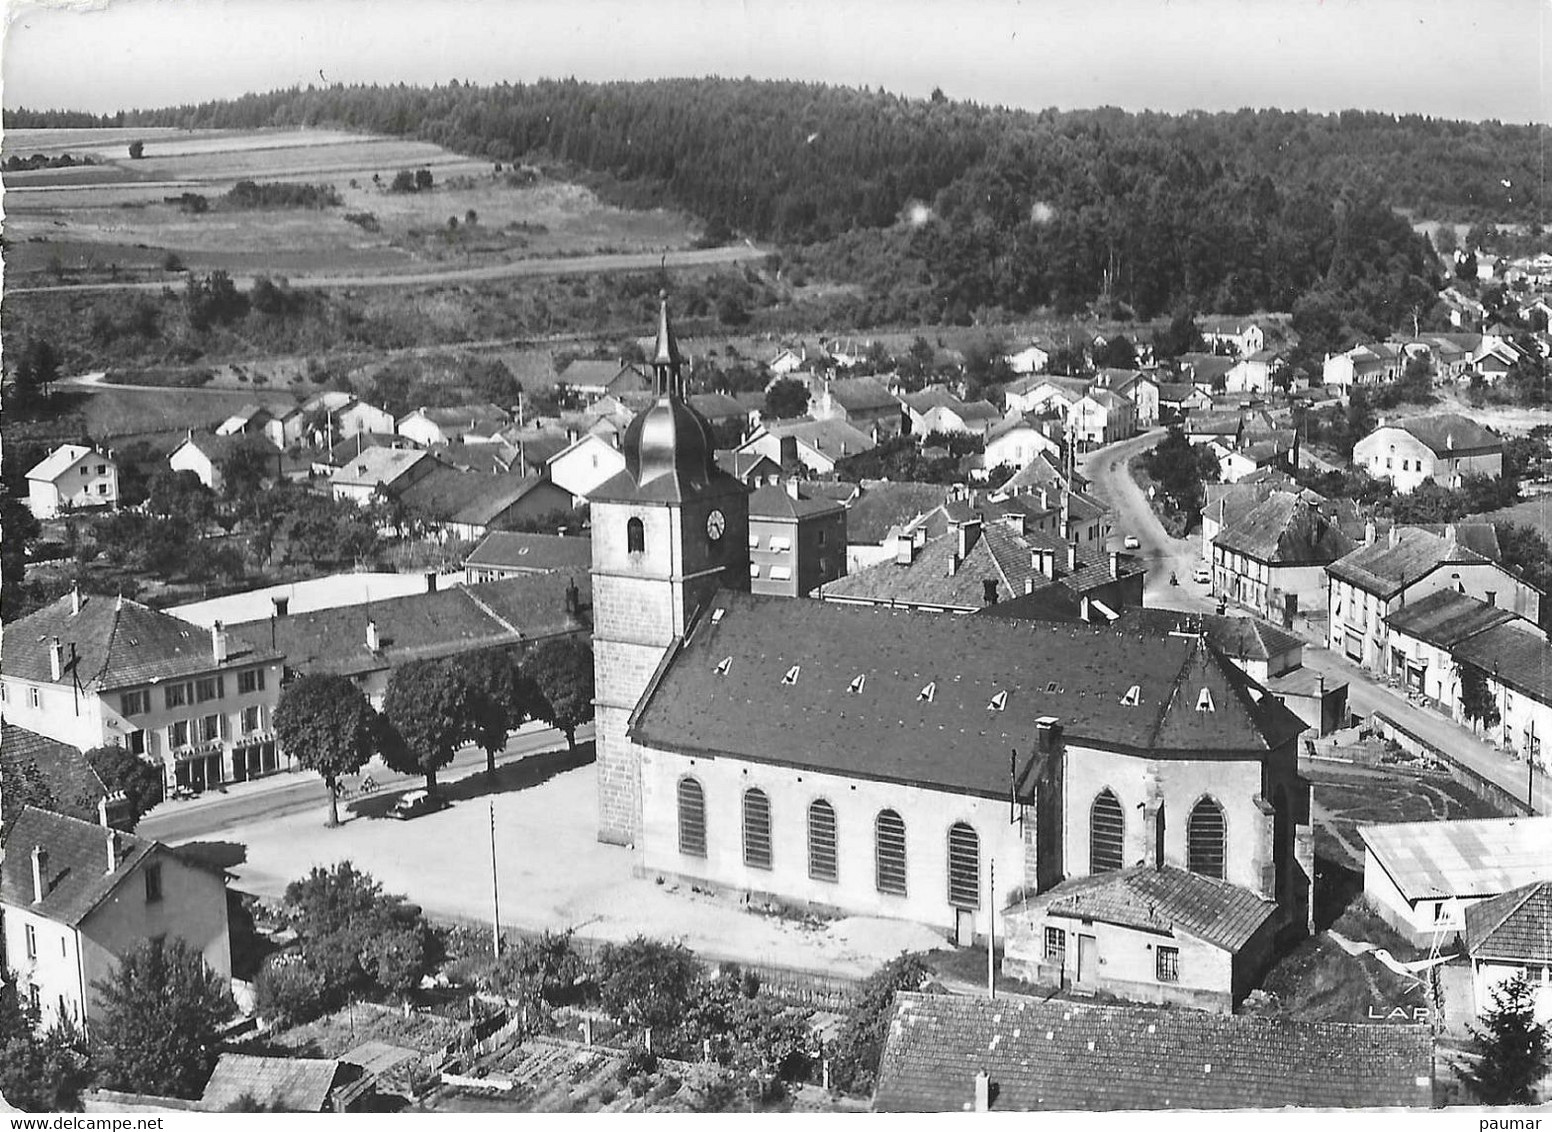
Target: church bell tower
(668, 532)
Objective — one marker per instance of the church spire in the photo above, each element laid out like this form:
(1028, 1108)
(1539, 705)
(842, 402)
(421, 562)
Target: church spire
(667, 362)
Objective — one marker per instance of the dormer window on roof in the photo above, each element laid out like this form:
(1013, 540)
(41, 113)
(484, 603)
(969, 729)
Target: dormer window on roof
(999, 702)
(723, 665)
(926, 694)
(1053, 686)
(1133, 696)
(1204, 701)
(856, 684)
(792, 674)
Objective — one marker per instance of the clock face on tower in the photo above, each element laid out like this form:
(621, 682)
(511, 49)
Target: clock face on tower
(716, 523)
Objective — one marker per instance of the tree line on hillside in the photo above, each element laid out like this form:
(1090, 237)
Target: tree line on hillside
(945, 209)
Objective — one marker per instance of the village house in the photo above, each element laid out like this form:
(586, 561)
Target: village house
(1421, 877)
(76, 897)
(724, 411)
(89, 670)
(584, 464)
(250, 418)
(1493, 359)
(860, 401)
(468, 505)
(878, 512)
(1510, 935)
(1444, 448)
(1032, 358)
(43, 772)
(359, 417)
(367, 642)
(1101, 417)
(509, 554)
(1043, 393)
(754, 468)
(1366, 366)
(1013, 1053)
(819, 445)
(1137, 387)
(73, 477)
(460, 424)
(1381, 576)
(590, 377)
(372, 471)
(1223, 503)
(1254, 373)
(796, 542)
(1178, 401)
(1273, 558)
(936, 410)
(205, 454)
(1018, 439)
(1208, 373)
(1274, 451)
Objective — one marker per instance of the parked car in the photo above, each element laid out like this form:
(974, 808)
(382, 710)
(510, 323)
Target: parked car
(1202, 575)
(413, 804)
(1130, 542)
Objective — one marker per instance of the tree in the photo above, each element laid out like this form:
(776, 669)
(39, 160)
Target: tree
(129, 774)
(403, 182)
(429, 709)
(562, 671)
(161, 1017)
(506, 698)
(646, 983)
(1524, 549)
(423, 180)
(1116, 353)
(1476, 698)
(1182, 336)
(18, 528)
(39, 1072)
(1181, 469)
(136, 150)
(354, 935)
(36, 371)
(860, 1043)
(1514, 1050)
(327, 725)
(786, 398)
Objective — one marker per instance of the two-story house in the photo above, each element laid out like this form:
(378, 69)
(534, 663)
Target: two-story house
(73, 477)
(1444, 448)
(1099, 417)
(89, 671)
(796, 542)
(466, 424)
(76, 897)
(1273, 558)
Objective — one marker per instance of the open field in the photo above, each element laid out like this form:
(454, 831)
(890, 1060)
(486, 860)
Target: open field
(114, 222)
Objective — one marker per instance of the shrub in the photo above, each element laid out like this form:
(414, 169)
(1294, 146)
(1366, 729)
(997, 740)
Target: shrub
(861, 1040)
(646, 982)
(288, 992)
(639, 1085)
(172, 262)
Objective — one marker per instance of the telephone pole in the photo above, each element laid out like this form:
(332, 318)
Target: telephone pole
(495, 889)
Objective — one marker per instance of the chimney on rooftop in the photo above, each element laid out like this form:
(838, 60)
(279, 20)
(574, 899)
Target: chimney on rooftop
(905, 550)
(1395, 534)
(372, 641)
(983, 1091)
(39, 872)
(1369, 534)
(792, 487)
(56, 657)
(75, 600)
(969, 531)
(113, 852)
(1048, 734)
(218, 642)
(1072, 557)
(282, 604)
(1115, 563)
(102, 811)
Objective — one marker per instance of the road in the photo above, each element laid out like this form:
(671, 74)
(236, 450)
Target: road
(568, 265)
(1109, 478)
(285, 794)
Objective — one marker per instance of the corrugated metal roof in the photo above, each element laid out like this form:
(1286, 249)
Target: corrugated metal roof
(1483, 857)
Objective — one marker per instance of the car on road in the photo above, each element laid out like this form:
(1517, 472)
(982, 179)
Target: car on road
(1130, 542)
(414, 804)
(1202, 575)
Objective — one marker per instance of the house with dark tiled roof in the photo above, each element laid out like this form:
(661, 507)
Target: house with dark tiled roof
(936, 410)
(797, 542)
(817, 446)
(1018, 439)
(860, 401)
(205, 454)
(77, 896)
(1272, 559)
(511, 554)
(479, 423)
(1101, 416)
(1369, 365)
(1506, 936)
(90, 670)
(587, 462)
(73, 477)
(1044, 393)
(367, 642)
(1444, 449)
(590, 377)
(1430, 641)
(1179, 400)
(1386, 573)
(753, 468)
(362, 477)
(42, 772)
(468, 505)
(958, 1053)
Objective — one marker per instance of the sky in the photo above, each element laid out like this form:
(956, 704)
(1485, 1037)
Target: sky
(1471, 59)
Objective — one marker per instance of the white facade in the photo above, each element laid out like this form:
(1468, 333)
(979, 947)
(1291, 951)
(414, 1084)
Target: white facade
(72, 477)
(187, 457)
(1096, 420)
(588, 462)
(358, 417)
(1018, 447)
(1393, 454)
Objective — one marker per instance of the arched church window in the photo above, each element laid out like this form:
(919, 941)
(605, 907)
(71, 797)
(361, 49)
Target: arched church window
(889, 852)
(1205, 840)
(822, 862)
(1107, 834)
(757, 829)
(964, 866)
(635, 536)
(692, 818)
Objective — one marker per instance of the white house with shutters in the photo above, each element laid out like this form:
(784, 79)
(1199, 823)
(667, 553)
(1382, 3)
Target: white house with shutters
(73, 477)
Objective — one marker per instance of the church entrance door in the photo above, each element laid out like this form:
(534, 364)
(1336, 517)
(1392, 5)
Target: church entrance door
(1088, 960)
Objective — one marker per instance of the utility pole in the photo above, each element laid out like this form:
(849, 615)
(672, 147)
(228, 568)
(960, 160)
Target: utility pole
(495, 889)
(991, 931)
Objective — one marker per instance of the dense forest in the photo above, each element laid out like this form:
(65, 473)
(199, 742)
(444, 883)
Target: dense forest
(943, 211)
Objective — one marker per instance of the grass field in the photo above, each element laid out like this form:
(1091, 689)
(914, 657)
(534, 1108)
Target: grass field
(114, 222)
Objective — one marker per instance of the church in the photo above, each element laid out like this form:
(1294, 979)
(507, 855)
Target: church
(943, 769)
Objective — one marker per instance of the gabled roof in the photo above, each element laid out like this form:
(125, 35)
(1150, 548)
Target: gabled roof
(474, 498)
(479, 414)
(955, 737)
(284, 1084)
(773, 502)
(422, 625)
(517, 549)
(884, 506)
(1167, 900)
(218, 449)
(742, 465)
(76, 877)
(42, 772)
(378, 465)
(834, 438)
(717, 406)
(1514, 653)
(57, 462)
(595, 372)
(1070, 1056)
(1285, 530)
(1107, 398)
(860, 394)
(117, 643)
(1516, 927)
(1041, 472)
(1446, 618)
(1450, 434)
(1386, 569)
(1483, 857)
